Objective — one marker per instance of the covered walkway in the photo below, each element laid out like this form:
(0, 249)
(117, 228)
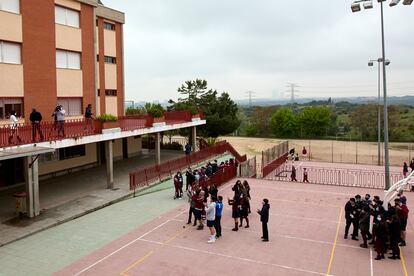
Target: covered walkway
(62, 197)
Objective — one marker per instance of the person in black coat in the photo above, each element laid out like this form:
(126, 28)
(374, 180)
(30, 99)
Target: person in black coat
(349, 215)
(35, 119)
(264, 218)
(394, 233)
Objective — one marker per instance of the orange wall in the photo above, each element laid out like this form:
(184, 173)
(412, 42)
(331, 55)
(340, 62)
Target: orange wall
(88, 57)
(120, 67)
(39, 56)
(101, 70)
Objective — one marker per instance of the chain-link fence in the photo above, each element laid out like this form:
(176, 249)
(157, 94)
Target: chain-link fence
(248, 168)
(275, 152)
(353, 152)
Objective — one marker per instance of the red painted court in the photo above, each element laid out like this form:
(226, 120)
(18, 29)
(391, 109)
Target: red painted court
(306, 238)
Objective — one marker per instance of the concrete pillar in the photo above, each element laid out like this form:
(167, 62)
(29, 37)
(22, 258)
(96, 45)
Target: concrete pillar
(194, 138)
(157, 148)
(31, 169)
(109, 164)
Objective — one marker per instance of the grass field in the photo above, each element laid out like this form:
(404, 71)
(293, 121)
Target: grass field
(328, 150)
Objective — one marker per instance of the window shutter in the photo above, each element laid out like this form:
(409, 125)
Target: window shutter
(60, 15)
(10, 5)
(74, 60)
(72, 18)
(11, 53)
(61, 59)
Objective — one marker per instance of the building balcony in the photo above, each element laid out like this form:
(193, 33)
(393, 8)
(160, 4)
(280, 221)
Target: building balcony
(93, 130)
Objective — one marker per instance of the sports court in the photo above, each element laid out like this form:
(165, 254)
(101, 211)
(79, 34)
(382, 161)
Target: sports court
(306, 238)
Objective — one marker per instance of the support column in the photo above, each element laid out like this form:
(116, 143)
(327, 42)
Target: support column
(194, 138)
(31, 170)
(157, 148)
(109, 164)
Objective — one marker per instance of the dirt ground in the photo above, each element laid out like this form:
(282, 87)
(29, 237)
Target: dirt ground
(328, 150)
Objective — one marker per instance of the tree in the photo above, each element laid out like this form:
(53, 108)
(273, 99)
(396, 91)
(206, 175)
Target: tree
(219, 110)
(155, 110)
(283, 123)
(315, 121)
(260, 118)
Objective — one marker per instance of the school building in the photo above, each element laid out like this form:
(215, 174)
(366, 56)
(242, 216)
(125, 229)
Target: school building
(69, 53)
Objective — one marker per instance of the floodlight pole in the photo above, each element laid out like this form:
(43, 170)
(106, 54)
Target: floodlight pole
(384, 75)
(379, 115)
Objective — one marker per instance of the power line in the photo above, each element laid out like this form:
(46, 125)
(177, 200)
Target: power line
(250, 95)
(293, 91)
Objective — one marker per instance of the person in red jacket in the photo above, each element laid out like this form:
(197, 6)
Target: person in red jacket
(402, 212)
(198, 208)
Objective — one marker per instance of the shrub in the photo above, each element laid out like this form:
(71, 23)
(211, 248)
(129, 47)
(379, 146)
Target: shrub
(107, 118)
(172, 146)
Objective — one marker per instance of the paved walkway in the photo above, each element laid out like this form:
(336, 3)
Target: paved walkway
(53, 249)
(67, 197)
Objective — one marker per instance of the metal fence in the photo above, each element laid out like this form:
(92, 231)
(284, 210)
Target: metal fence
(273, 153)
(352, 152)
(25, 133)
(336, 176)
(249, 168)
(165, 170)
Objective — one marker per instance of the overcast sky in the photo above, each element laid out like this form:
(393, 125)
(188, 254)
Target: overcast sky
(261, 45)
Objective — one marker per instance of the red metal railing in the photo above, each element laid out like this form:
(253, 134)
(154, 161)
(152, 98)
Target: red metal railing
(220, 177)
(274, 166)
(144, 177)
(51, 131)
(46, 131)
(176, 117)
(135, 122)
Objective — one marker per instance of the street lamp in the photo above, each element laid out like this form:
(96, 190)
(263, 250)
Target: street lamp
(356, 8)
(371, 63)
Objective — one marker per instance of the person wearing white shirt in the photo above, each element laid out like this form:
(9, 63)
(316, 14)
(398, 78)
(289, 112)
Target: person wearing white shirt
(14, 127)
(211, 216)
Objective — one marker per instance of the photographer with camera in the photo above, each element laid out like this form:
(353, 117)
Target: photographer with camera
(59, 117)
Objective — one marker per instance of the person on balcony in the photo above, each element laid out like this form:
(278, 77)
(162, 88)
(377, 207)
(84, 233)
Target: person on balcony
(14, 131)
(59, 116)
(89, 117)
(35, 119)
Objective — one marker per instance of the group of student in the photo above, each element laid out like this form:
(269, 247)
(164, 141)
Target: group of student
(389, 226)
(199, 175)
(405, 170)
(206, 205)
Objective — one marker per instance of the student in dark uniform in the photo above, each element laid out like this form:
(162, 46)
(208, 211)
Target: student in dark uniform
(235, 214)
(381, 237)
(364, 226)
(264, 218)
(394, 231)
(355, 222)
(349, 215)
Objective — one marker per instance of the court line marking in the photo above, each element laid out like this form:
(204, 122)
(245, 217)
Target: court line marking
(403, 262)
(328, 272)
(309, 191)
(121, 248)
(371, 262)
(135, 240)
(234, 257)
(304, 218)
(297, 202)
(124, 273)
(290, 237)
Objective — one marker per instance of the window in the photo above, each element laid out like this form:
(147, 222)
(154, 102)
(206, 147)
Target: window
(10, 52)
(68, 60)
(66, 17)
(9, 104)
(10, 6)
(72, 106)
(110, 60)
(109, 26)
(72, 152)
(110, 92)
(49, 157)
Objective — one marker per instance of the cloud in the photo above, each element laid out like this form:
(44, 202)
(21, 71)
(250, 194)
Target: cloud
(261, 45)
